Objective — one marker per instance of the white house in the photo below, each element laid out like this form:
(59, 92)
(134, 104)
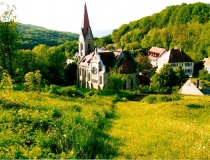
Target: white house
(175, 57)
(154, 53)
(95, 63)
(207, 64)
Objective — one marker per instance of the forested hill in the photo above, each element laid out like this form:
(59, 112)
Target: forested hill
(32, 35)
(186, 26)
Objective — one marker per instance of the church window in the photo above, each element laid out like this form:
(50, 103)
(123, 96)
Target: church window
(101, 80)
(81, 46)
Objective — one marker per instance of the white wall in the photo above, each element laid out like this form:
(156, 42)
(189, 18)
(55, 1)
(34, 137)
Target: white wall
(188, 67)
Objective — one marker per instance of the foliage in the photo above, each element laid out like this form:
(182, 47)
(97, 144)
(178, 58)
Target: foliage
(33, 35)
(6, 81)
(144, 63)
(71, 74)
(116, 79)
(150, 99)
(164, 78)
(37, 126)
(103, 41)
(204, 75)
(70, 91)
(33, 81)
(185, 25)
(181, 76)
(8, 38)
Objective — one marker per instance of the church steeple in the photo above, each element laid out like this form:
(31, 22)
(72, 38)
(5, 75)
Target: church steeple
(86, 39)
(86, 23)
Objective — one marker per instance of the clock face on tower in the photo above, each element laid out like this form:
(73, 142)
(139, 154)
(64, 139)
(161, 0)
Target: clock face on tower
(94, 70)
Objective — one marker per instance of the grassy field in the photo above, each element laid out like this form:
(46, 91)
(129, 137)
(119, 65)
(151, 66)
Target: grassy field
(94, 125)
(169, 130)
(41, 125)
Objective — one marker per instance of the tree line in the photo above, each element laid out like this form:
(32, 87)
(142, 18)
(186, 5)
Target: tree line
(185, 26)
(32, 36)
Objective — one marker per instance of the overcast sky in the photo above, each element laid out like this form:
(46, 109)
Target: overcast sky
(66, 15)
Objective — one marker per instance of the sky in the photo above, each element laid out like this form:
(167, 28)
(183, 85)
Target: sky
(67, 15)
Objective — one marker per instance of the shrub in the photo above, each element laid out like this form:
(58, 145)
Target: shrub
(71, 92)
(57, 113)
(168, 98)
(150, 99)
(33, 81)
(6, 81)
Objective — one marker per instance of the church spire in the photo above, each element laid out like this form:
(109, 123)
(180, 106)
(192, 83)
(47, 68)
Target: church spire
(86, 23)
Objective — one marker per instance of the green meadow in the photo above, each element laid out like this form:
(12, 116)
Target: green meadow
(101, 125)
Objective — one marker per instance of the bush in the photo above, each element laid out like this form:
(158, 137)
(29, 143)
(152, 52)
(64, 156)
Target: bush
(150, 99)
(71, 92)
(168, 98)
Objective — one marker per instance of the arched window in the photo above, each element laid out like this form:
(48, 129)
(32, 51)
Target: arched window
(101, 80)
(81, 46)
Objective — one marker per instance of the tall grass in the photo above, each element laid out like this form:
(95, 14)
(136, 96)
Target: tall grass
(42, 126)
(163, 130)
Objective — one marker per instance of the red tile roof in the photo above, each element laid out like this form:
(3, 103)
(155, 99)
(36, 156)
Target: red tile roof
(86, 23)
(156, 50)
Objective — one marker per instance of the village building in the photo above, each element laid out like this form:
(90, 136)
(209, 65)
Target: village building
(175, 57)
(95, 63)
(207, 64)
(190, 89)
(154, 53)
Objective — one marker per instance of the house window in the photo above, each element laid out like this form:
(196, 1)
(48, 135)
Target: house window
(88, 46)
(88, 76)
(80, 71)
(100, 80)
(131, 83)
(188, 64)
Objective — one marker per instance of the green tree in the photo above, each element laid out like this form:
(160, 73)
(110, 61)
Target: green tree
(56, 60)
(180, 75)
(6, 81)
(33, 80)
(144, 63)
(204, 75)
(8, 38)
(71, 74)
(116, 79)
(165, 78)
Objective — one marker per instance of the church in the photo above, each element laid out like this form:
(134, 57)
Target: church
(95, 64)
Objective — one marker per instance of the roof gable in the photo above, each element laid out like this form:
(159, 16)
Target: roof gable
(127, 67)
(108, 59)
(175, 55)
(190, 89)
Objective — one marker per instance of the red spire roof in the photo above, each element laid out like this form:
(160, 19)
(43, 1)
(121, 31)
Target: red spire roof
(86, 23)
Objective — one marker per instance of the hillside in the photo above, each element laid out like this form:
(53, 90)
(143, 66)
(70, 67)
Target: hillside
(186, 26)
(32, 35)
(87, 124)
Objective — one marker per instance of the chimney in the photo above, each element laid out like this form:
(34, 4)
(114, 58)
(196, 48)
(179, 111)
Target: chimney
(197, 83)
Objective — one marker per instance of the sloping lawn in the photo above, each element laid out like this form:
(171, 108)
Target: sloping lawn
(36, 126)
(169, 130)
